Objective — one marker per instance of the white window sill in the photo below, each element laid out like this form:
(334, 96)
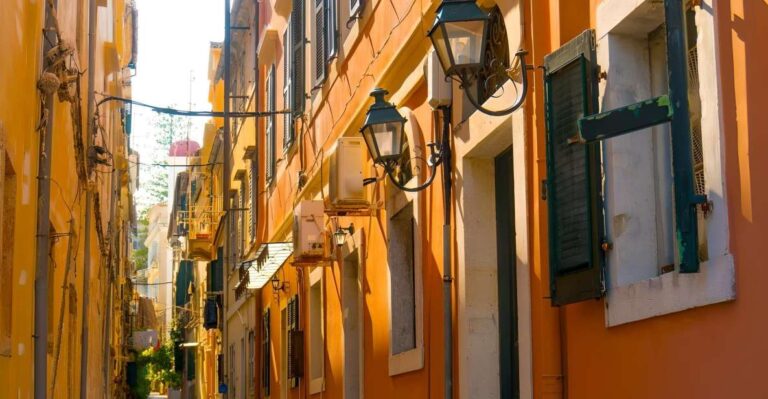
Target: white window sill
(672, 292)
(316, 385)
(406, 362)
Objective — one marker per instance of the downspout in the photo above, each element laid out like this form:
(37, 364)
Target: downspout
(88, 201)
(447, 276)
(226, 173)
(42, 234)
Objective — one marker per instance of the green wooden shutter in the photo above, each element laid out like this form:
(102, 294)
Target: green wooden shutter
(295, 343)
(297, 37)
(573, 174)
(287, 89)
(321, 41)
(252, 189)
(270, 131)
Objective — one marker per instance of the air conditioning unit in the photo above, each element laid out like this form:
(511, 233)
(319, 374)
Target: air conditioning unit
(308, 232)
(438, 87)
(346, 190)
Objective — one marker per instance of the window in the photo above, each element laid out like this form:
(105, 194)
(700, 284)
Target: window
(295, 342)
(316, 332)
(232, 373)
(355, 6)
(297, 56)
(283, 375)
(656, 223)
(287, 89)
(403, 297)
(270, 130)
(254, 183)
(241, 375)
(325, 37)
(251, 361)
(265, 354)
(352, 311)
(7, 221)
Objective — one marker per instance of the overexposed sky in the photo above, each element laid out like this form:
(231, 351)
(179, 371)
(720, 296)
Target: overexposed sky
(174, 39)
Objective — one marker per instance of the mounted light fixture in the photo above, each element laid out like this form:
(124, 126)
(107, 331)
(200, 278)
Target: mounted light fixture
(384, 134)
(384, 129)
(460, 37)
(277, 285)
(340, 235)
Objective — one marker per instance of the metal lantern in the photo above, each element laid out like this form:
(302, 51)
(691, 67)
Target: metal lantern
(459, 36)
(383, 129)
(340, 237)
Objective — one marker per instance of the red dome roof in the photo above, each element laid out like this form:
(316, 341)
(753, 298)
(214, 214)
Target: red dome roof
(183, 148)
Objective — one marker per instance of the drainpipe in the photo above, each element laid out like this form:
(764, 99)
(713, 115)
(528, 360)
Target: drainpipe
(42, 235)
(88, 201)
(227, 171)
(447, 277)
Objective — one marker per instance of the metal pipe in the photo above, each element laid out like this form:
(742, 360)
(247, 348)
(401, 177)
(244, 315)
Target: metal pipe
(226, 159)
(88, 206)
(43, 232)
(445, 148)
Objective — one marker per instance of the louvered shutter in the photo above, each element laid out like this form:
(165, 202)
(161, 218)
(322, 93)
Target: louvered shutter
(297, 38)
(287, 89)
(332, 29)
(254, 179)
(265, 355)
(270, 131)
(320, 42)
(295, 343)
(573, 175)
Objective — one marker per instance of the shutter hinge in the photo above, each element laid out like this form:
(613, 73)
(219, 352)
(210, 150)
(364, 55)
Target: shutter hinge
(606, 246)
(544, 190)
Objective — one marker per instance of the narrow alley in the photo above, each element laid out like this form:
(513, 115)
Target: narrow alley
(364, 199)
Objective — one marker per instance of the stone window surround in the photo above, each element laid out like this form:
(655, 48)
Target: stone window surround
(715, 282)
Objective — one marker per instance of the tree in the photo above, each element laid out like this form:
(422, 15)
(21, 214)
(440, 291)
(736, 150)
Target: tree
(139, 255)
(165, 130)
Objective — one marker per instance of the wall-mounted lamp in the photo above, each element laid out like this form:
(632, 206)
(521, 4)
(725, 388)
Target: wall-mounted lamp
(460, 37)
(384, 134)
(340, 235)
(278, 285)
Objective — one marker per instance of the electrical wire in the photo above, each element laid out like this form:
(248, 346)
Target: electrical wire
(179, 112)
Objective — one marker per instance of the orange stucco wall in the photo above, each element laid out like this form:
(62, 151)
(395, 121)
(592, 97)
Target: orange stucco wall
(710, 352)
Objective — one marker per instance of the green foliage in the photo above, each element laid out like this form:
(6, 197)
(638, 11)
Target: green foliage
(156, 367)
(139, 256)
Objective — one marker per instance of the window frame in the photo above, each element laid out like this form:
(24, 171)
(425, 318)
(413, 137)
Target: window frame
(713, 283)
(316, 385)
(413, 359)
(269, 131)
(8, 182)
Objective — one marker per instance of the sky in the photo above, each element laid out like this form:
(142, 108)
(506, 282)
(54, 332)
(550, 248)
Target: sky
(174, 40)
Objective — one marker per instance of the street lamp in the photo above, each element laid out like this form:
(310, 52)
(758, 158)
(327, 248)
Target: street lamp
(340, 235)
(460, 38)
(384, 134)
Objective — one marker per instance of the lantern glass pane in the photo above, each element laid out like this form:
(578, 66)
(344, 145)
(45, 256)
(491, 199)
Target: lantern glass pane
(466, 39)
(368, 136)
(441, 48)
(388, 138)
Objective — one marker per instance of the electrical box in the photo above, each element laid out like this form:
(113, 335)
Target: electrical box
(346, 189)
(438, 87)
(308, 232)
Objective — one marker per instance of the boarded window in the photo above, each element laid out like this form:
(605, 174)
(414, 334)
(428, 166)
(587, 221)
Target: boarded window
(400, 254)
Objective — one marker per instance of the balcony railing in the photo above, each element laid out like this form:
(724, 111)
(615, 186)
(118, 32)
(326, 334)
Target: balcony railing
(202, 220)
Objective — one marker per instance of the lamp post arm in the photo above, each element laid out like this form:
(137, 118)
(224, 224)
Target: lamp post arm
(520, 99)
(432, 173)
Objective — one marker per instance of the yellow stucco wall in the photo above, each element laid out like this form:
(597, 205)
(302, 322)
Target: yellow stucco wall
(20, 26)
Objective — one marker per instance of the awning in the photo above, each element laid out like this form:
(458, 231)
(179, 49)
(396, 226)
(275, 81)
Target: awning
(269, 258)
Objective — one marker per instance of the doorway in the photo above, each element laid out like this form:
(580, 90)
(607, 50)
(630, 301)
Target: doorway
(509, 376)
